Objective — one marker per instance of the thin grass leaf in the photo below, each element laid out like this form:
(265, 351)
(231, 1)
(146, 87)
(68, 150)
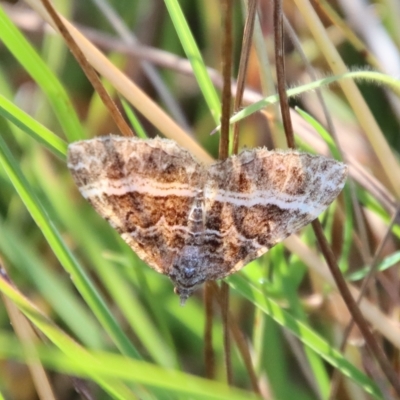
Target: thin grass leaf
(303, 332)
(322, 132)
(33, 64)
(195, 58)
(107, 366)
(112, 276)
(59, 294)
(356, 75)
(388, 262)
(33, 128)
(320, 379)
(80, 278)
(61, 340)
(137, 126)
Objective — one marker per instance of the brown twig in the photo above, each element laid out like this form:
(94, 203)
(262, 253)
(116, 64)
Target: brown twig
(209, 356)
(323, 243)
(241, 345)
(89, 71)
(374, 264)
(244, 61)
(241, 79)
(281, 73)
(224, 304)
(353, 308)
(226, 48)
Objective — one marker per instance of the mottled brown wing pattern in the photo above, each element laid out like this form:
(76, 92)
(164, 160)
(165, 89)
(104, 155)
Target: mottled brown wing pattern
(258, 198)
(144, 189)
(195, 224)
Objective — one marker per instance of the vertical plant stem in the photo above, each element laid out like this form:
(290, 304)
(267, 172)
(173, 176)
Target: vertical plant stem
(226, 49)
(244, 61)
(281, 74)
(374, 264)
(224, 303)
(209, 356)
(353, 308)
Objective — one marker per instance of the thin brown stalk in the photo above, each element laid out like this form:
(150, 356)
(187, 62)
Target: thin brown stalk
(224, 303)
(243, 348)
(360, 224)
(373, 269)
(209, 356)
(89, 71)
(241, 79)
(244, 351)
(353, 308)
(151, 72)
(226, 48)
(323, 243)
(244, 61)
(281, 74)
(241, 345)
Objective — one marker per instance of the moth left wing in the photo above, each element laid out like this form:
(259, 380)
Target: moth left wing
(143, 188)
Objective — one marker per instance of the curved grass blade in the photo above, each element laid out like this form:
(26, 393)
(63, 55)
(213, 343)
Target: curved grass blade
(195, 58)
(33, 128)
(67, 260)
(303, 332)
(44, 77)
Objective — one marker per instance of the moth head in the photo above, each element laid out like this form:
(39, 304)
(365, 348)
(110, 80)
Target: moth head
(186, 272)
(183, 293)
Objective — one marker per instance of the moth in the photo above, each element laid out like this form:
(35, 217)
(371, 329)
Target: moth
(195, 223)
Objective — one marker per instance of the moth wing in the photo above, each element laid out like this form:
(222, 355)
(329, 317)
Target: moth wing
(144, 189)
(259, 198)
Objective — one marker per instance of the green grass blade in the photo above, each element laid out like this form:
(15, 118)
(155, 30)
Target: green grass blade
(377, 77)
(137, 126)
(57, 292)
(33, 128)
(195, 58)
(290, 288)
(94, 245)
(109, 369)
(40, 72)
(67, 260)
(388, 262)
(101, 366)
(303, 332)
(67, 345)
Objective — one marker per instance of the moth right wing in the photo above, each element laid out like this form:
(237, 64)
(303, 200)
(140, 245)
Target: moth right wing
(258, 198)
